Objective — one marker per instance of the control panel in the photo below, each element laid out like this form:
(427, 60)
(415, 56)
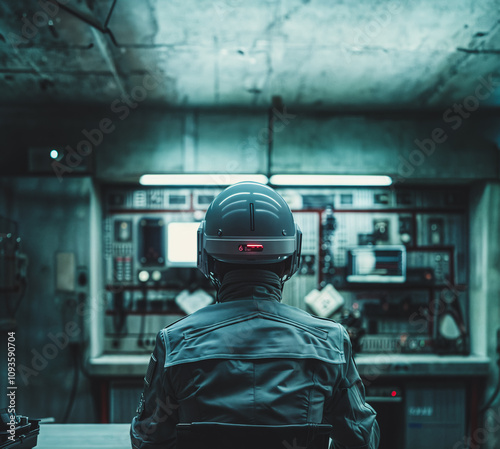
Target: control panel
(397, 261)
(393, 260)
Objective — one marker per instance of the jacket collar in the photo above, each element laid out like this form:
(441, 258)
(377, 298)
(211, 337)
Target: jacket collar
(250, 284)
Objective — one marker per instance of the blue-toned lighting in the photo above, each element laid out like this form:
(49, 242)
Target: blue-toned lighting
(330, 180)
(54, 154)
(216, 179)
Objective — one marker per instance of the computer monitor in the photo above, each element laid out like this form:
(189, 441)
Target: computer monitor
(182, 244)
(377, 264)
(152, 241)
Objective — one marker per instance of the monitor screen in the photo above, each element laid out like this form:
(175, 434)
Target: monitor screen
(385, 264)
(182, 244)
(152, 241)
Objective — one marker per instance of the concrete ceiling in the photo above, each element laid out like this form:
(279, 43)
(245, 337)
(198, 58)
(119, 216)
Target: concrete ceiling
(321, 54)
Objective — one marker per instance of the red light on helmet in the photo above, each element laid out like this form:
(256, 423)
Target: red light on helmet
(254, 247)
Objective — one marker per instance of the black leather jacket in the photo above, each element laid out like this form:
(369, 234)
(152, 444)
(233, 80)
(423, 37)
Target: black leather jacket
(250, 359)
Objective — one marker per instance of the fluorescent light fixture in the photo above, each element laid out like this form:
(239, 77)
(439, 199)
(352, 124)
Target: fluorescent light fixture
(330, 180)
(216, 179)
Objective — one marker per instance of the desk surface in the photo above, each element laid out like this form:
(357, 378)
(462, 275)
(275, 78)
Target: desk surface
(389, 365)
(84, 436)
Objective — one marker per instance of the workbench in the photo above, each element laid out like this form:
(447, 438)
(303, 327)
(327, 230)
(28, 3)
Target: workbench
(84, 436)
(388, 365)
(401, 388)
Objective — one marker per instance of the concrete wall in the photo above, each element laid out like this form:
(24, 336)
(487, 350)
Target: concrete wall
(485, 289)
(190, 142)
(408, 147)
(53, 217)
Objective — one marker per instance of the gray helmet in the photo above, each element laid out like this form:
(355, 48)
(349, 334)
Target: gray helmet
(249, 223)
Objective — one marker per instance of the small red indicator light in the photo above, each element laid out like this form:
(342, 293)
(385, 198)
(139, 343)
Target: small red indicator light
(251, 247)
(393, 393)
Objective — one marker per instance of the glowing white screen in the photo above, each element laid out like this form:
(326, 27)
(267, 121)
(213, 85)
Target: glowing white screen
(182, 244)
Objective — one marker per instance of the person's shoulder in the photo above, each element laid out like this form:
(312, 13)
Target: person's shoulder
(334, 333)
(189, 320)
(300, 314)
